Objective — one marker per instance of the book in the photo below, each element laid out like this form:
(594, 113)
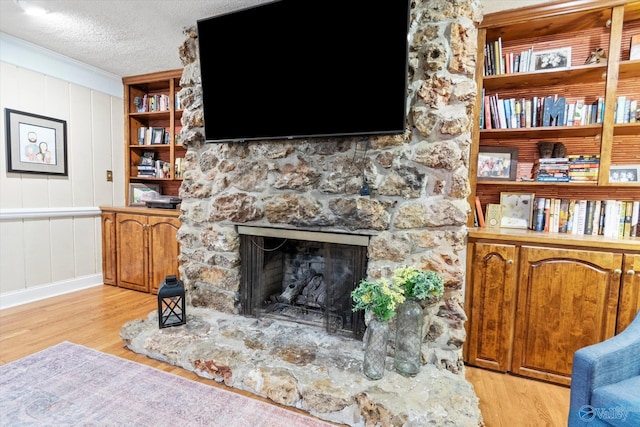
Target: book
(547, 214)
(572, 217)
(481, 222)
(635, 215)
(538, 214)
(627, 219)
(487, 112)
(634, 48)
(563, 215)
(555, 221)
(588, 218)
(581, 217)
(595, 226)
(492, 219)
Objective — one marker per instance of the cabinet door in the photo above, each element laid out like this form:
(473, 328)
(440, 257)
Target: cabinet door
(133, 265)
(629, 303)
(109, 251)
(163, 250)
(567, 299)
(492, 306)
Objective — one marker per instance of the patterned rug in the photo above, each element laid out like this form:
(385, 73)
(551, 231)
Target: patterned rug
(69, 384)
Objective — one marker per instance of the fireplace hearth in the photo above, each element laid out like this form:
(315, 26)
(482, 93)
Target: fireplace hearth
(302, 276)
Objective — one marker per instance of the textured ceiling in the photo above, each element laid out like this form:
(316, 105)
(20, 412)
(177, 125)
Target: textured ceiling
(128, 37)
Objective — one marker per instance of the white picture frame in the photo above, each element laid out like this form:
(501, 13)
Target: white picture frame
(552, 59)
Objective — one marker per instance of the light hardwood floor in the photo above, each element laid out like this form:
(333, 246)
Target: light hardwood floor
(93, 318)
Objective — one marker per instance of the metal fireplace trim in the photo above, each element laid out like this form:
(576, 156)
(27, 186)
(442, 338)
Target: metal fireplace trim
(317, 236)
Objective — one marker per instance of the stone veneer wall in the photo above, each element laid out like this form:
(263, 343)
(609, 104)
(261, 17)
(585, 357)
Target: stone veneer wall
(419, 180)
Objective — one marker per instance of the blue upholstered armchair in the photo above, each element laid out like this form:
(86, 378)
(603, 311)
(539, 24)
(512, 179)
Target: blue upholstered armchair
(605, 381)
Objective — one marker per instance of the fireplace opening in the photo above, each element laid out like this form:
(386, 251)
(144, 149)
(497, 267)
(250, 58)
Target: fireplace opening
(304, 277)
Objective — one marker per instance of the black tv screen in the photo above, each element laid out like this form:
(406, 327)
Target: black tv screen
(294, 68)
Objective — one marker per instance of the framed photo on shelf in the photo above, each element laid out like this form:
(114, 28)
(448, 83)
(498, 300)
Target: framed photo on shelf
(624, 173)
(136, 190)
(157, 136)
(552, 59)
(516, 209)
(497, 163)
(35, 144)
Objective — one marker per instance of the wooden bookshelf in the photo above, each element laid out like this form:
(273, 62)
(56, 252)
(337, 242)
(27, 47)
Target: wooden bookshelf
(166, 83)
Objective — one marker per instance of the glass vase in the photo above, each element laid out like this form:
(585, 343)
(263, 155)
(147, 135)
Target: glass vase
(409, 320)
(375, 352)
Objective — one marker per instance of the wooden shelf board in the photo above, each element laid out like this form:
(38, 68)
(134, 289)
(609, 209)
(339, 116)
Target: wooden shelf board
(596, 73)
(543, 132)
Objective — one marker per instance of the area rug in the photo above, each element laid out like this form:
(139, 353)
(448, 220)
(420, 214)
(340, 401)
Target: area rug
(69, 384)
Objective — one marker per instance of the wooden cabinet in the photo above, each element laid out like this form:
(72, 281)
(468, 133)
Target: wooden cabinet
(109, 267)
(531, 303)
(583, 27)
(146, 246)
(493, 300)
(152, 126)
(629, 303)
(567, 299)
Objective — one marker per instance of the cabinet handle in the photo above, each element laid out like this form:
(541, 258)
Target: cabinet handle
(510, 261)
(631, 272)
(617, 271)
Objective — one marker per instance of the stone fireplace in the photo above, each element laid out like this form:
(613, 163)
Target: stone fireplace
(302, 276)
(297, 192)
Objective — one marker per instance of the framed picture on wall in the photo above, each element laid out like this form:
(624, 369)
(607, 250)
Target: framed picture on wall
(35, 144)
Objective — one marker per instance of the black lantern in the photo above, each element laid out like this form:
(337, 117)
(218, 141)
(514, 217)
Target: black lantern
(171, 303)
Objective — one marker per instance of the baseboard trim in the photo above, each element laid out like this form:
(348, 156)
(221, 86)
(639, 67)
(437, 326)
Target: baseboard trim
(12, 299)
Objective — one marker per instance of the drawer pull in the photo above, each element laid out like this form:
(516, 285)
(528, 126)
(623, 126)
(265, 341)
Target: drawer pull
(631, 272)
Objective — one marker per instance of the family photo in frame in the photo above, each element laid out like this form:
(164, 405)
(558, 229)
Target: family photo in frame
(497, 163)
(35, 144)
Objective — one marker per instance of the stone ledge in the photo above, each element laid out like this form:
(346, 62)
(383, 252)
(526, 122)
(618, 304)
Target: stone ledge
(303, 367)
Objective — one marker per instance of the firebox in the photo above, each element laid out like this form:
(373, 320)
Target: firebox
(302, 276)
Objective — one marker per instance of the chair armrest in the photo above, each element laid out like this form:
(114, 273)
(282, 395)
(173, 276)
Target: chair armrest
(607, 362)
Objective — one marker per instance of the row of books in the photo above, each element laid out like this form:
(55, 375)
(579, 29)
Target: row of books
(179, 170)
(151, 167)
(512, 113)
(573, 168)
(627, 110)
(160, 169)
(157, 102)
(152, 135)
(496, 62)
(611, 218)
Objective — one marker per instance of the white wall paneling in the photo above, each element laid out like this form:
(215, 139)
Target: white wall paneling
(50, 237)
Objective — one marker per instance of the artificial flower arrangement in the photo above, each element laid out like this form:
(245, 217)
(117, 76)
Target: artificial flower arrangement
(382, 296)
(419, 284)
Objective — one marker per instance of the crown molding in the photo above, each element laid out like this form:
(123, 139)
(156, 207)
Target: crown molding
(36, 58)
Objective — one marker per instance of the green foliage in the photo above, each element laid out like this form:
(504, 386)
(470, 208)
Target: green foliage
(380, 297)
(419, 284)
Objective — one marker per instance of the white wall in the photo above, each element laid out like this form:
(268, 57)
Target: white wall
(50, 237)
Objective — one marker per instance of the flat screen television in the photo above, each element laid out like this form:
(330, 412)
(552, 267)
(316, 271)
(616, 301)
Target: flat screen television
(296, 69)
